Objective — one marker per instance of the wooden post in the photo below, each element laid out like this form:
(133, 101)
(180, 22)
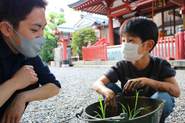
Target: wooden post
(120, 22)
(153, 11)
(100, 32)
(183, 13)
(183, 21)
(181, 44)
(162, 16)
(174, 27)
(111, 32)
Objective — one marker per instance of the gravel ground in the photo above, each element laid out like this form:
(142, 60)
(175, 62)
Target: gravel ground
(77, 92)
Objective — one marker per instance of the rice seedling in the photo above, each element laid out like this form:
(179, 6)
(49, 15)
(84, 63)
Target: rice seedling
(131, 113)
(134, 112)
(102, 109)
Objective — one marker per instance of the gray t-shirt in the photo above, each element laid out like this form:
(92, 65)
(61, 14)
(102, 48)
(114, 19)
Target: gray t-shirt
(157, 69)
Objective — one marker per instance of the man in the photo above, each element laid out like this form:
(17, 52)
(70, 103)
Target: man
(22, 71)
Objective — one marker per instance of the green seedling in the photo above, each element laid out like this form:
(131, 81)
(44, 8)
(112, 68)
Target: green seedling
(134, 112)
(102, 109)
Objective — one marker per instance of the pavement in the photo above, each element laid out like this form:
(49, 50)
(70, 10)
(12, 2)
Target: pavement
(77, 92)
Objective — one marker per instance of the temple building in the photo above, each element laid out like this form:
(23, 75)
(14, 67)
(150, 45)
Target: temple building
(169, 15)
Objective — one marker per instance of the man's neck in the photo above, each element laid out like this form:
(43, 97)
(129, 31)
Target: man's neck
(10, 44)
(142, 63)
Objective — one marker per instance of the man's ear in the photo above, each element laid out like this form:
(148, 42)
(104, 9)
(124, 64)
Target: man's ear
(150, 44)
(5, 29)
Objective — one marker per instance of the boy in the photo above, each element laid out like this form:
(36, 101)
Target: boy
(22, 71)
(139, 70)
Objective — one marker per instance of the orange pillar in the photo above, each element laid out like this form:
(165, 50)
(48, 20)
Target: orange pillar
(65, 52)
(111, 32)
(181, 44)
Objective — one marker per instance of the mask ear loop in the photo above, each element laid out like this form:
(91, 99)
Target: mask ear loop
(145, 50)
(11, 27)
(15, 32)
(143, 42)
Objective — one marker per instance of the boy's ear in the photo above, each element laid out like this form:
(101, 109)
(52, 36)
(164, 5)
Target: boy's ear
(5, 29)
(150, 44)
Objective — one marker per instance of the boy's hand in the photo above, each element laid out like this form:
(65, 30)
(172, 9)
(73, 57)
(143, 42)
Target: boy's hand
(111, 102)
(132, 85)
(24, 77)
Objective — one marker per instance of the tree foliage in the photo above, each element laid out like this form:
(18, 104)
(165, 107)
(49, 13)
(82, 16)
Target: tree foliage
(82, 38)
(53, 20)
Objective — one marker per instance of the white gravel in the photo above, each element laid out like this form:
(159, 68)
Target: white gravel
(77, 92)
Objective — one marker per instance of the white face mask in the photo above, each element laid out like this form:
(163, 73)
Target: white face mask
(29, 48)
(130, 52)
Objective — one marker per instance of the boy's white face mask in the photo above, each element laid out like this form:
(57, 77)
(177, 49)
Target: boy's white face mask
(29, 48)
(130, 52)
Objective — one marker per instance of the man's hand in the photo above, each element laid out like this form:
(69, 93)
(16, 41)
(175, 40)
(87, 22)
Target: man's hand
(111, 102)
(14, 111)
(24, 77)
(132, 85)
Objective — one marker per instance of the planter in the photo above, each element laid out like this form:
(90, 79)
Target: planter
(152, 116)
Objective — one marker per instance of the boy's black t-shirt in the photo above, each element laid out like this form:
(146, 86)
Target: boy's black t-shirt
(157, 69)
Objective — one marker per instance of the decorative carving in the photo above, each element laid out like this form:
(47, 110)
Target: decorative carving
(159, 3)
(109, 3)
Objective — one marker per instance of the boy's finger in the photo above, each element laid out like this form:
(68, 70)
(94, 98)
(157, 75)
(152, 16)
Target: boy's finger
(3, 119)
(138, 85)
(132, 85)
(125, 92)
(126, 87)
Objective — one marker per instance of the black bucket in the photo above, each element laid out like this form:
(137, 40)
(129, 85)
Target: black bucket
(152, 116)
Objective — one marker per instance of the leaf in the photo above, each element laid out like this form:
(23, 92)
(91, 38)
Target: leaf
(140, 109)
(130, 114)
(137, 95)
(98, 114)
(105, 110)
(123, 108)
(101, 107)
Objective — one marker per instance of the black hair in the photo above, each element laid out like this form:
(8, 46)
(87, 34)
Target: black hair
(142, 27)
(15, 11)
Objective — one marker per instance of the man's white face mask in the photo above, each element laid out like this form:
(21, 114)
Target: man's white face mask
(130, 52)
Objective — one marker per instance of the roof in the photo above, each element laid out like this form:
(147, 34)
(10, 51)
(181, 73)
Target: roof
(92, 21)
(119, 7)
(77, 3)
(97, 20)
(91, 6)
(65, 29)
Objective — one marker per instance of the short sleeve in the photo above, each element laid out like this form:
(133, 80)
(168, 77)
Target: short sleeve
(115, 72)
(166, 71)
(44, 74)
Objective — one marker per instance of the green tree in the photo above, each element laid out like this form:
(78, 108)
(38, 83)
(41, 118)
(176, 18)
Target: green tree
(81, 38)
(53, 20)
